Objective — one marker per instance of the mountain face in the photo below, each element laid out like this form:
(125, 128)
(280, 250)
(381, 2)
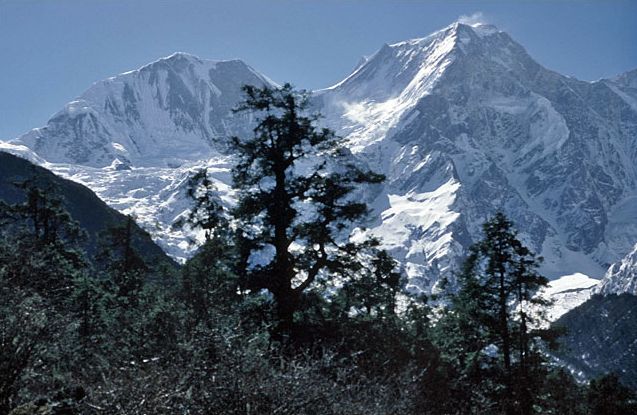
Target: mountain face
(163, 114)
(566, 293)
(136, 137)
(463, 123)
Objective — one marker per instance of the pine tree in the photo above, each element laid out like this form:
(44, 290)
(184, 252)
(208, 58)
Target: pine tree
(209, 281)
(493, 327)
(39, 265)
(372, 290)
(293, 212)
(124, 265)
(562, 394)
(45, 239)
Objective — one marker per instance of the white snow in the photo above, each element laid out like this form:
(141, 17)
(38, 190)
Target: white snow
(568, 292)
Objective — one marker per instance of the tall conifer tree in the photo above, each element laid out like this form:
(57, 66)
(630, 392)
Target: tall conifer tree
(492, 331)
(293, 211)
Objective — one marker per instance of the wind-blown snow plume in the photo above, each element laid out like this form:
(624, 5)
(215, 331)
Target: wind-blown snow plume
(474, 19)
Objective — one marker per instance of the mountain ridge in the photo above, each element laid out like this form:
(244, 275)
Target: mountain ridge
(133, 116)
(91, 213)
(462, 122)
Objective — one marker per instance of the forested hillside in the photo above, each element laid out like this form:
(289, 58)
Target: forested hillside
(288, 306)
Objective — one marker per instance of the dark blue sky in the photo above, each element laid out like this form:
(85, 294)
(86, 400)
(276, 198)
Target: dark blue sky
(53, 50)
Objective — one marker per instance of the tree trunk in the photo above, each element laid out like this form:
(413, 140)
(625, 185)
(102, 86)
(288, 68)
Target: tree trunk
(506, 341)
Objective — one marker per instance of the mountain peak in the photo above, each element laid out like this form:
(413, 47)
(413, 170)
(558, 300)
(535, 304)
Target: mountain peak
(177, 60)
(414, 63)
(481, 29)
(137, 115)
(181, 55)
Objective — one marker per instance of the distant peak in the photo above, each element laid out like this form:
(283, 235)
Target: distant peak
(184, 56)
(475, 19)
(482, 29)
(181, 55)
(478, 28)
(177, 58)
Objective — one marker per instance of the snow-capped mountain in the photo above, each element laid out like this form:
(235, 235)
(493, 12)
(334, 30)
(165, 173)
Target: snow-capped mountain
(174, 110)
(135, 138)
(462, 122)
(568, 292)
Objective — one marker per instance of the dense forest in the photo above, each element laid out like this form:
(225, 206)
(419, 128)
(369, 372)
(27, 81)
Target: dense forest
(284, 309)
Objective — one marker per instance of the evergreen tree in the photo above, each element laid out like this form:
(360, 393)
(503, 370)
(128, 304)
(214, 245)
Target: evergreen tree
(292, 210)
(43, 240)
(124, 265)
(40, 263)
(373, 289)
(491, 333)
(208, 279)
(43, 213)
(562, 395)
(207, 214)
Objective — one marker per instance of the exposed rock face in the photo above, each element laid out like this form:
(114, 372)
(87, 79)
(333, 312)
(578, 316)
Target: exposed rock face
(467, 113)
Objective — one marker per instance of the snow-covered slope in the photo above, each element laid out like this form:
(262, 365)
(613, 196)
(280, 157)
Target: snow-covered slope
(462, 122)
(621, 277)
(568, 292)
(625, 85)
(466, 113)
(170, 111)
(134, 138)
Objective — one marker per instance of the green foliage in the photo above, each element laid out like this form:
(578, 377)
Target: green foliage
(562, 395)
(373, 290)
(491, 333)
(23, 327)
(40, 250)
(209, 282)
(125, 266)
(207, 213)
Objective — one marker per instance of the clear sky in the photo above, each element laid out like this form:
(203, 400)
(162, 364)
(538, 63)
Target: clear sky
(52, 50)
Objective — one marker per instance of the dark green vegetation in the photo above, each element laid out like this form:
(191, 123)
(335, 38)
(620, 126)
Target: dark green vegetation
(278, 312)
(604, 329)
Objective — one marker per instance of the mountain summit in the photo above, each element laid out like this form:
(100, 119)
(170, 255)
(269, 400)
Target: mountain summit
(167, 112)
(462, 122)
